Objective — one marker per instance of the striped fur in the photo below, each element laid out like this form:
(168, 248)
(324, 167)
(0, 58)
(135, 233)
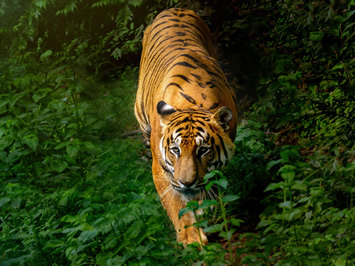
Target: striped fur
(186, 111)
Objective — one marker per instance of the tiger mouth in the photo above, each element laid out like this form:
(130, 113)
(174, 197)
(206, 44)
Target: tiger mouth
(190, 193)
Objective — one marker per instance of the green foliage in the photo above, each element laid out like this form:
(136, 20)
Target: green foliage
(68, 196)
(298, 142)
(77, 190)
(100, 218)
(97, 35)
(213, 253)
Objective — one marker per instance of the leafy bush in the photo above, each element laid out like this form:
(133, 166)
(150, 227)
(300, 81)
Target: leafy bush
(304, 134)
(76, 184)
(69, 197)
(97, 35)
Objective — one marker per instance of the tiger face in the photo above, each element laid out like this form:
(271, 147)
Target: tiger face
(193, 143)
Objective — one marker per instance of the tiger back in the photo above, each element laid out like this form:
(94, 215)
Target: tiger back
(186, 111)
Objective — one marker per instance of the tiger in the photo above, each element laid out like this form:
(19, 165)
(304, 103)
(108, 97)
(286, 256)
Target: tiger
(186, 111)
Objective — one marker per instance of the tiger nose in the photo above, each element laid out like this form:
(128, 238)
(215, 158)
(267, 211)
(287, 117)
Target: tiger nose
(187, 183)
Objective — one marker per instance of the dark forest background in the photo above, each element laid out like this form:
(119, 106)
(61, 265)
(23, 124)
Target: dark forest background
(75, 178)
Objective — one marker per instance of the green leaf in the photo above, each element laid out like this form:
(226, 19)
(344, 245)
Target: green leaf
(299, 186)
(183, 211)
(294, 214)
(317, 192)
(288, 173)
(45, 55)
(274, 186)
(6, 141)
(59, 166)
(229, 198)
(16, 203)
(337, 66)
(3, 201)
(117, 53)
(17, 260)
(212, 174)
(208, 203)
(72, 150)
(272, 163)
(236, 222)
(227, 235)
(90, 146)
(193, 205)
(40, 94)
(54, 243)
(87, 235)
(316, 36)
(2, 131)
(285, 204)
(221, 183)
(214, 228)
(61, 145)
(32, 141)
(201, 224)
(289, 153)
(208, 186)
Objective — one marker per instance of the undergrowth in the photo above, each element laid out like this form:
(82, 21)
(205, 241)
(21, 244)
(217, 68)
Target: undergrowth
(75, 180)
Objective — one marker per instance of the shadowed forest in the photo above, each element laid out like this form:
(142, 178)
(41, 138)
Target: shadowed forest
(75, 178)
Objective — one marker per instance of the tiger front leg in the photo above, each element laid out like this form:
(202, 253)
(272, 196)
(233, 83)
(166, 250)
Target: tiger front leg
(173, 203)
(187, 233)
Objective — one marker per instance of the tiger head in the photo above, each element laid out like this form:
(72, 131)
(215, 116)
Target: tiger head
(193, 143)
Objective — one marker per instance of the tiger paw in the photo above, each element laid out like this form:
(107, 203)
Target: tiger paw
(191, 235)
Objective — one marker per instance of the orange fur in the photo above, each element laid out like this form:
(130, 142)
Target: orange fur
(186, 111)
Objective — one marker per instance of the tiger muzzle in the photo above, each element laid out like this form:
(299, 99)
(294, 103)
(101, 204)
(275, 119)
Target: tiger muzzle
(190, 190)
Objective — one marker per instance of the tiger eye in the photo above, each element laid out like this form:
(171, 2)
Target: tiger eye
(203, 150)
(175, 150)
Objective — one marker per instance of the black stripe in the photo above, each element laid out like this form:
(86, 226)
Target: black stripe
(211, 84)
(198, 29)
(223, 146)
(174, 84)
(196, 76)
(161, 23)
(167, 27)
(201, 85)
(212, 141)
(178, 130)
(153, 45)
(205, 67)
(188, 98)
(182, 77)
(200, 122)
(213, 74)
(182, 64)
(218, 153)
(178, 123)
(179, 33)
(164, 167)
(213, 106)
(162, 16)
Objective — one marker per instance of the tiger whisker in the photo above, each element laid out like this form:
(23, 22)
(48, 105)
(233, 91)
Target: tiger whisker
(168, 189)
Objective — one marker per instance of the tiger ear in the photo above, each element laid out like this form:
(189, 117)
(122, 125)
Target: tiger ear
(223, 116)
(164, 110)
